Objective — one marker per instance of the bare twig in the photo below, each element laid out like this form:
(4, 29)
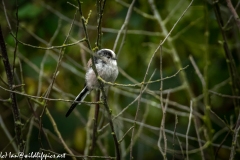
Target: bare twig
(108, 30)
(180, 145)
(100, 9)
(139, 100)
(220, 146)
(207, 104)
(136, 10)
(230, 18)
(104, 97)
(5, 12)
(188, 128)
(41, 73)
(235, 79)
(174, 135)
(153, 128)
(158, 17)
(168, 39)
(16, 42)
(224, 95)
(123, 29)
(185, 29)
(162, 125)
(5, 83)
(95, 125)
(234, 13)
(133, 139)
(50, 89)
(15, 109)
(59, 134)
(162, 130)
(200, 76)
(52, 47)
(142, 83)
(173, 11)
(48, 99)
(125, 134)
(4, 128)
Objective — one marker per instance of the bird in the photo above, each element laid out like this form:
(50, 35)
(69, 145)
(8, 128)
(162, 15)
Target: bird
(106, 64)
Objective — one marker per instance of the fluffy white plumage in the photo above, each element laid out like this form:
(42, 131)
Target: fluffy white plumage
(107, 69)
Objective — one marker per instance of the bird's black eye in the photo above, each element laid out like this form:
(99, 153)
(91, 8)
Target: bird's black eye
(108, 57)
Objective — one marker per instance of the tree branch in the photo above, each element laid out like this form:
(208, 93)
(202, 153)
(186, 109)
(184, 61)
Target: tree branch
(234, 13)
(104, 97)
(15, 109)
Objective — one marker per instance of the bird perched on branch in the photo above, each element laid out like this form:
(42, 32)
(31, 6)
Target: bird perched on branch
(106, 65)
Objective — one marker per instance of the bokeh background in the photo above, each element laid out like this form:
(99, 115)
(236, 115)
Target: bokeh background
(197, 35)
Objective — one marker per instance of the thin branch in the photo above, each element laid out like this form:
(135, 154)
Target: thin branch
(145, 15)
(234, 13)
(104, 97)
(200, 76)
(230, 18)
(174, 135)
(125, 134)
(170, 44)
(173, 11)
(224, 139)
(90, 27)
(15, 109)
(177, 22)
(142, 83)
(5, 12)
(95, 125)
(123, 29)
(41, 73)
(59, 134)
(5, 83)
(52, 47)
(100, 16)
(235, 80)
(151, 2)
(188, 128)
(51, 86)
(224, 95)
(48, 99)
(100, 10)
(186, 28)
(133, 139)
(139, 99)
(137, 135)
(162, 125)
(180, 145)
(4, 128)
(16, 42)
(85, 29)
(153, 128)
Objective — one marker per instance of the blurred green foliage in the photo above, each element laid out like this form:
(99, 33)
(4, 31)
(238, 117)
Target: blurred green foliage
(39, 20)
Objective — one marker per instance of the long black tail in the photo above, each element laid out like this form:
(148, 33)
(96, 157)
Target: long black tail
(81, 96)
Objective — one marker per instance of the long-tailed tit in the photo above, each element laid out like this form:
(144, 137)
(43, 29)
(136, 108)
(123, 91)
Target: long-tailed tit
(106, 65)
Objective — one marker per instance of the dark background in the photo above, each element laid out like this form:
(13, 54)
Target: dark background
(197, 34)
